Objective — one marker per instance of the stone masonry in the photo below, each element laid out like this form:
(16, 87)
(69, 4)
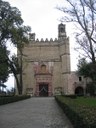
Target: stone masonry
(46, 66)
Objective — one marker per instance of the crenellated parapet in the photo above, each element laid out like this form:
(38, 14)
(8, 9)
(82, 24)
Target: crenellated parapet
(46, 40)
(62, 37)
(51, 40)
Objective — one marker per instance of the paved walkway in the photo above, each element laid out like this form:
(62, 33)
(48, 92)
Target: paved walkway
(33, 113)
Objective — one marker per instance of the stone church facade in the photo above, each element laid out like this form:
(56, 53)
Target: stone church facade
(46, 66)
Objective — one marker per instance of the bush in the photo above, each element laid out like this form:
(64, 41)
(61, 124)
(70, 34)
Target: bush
(71, 96)
(91, 88)
(10, 99)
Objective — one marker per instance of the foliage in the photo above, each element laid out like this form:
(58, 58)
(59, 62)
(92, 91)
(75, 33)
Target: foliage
(83, 14)
(73, 96)
(10, 99)
(88, 70)
(12, 30)
(4, 70)
(91, 88)
(81, 111)
(10, 19)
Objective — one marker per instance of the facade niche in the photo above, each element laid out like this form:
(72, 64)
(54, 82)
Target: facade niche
(43, 68)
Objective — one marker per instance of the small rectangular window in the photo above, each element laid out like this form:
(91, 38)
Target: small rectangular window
(80, 78)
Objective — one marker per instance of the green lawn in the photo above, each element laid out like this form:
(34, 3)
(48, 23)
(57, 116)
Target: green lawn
(86, 101)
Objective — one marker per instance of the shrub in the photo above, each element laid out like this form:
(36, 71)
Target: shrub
(10, 99)
(70, 96)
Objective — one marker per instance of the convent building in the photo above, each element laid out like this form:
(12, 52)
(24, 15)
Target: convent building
(46, 67)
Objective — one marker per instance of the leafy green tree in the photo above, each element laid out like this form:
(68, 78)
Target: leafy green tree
(12, 30)
(91, 88)
(4, 69)
(88, 70)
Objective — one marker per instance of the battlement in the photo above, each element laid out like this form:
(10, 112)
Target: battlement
(48, 40)
(44, 40)
(62, 37)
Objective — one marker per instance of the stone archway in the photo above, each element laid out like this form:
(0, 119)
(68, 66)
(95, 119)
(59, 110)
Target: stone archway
(43, 89)
(79, 91)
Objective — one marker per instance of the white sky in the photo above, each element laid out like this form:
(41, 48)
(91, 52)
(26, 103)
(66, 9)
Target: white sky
(43, 17)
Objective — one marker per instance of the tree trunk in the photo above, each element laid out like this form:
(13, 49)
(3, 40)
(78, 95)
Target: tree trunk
(14, 71)
(19, 88)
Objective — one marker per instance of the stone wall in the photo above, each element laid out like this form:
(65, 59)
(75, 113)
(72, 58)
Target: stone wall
(44, 52)
(56, 52)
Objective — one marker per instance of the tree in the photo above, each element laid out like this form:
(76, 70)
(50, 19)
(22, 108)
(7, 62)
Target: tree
(83, 14)
(12, 30)
(4, 69)
(20, 38)
(88, 70)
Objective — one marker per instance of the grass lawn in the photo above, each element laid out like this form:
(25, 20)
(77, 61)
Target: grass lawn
(85, 101)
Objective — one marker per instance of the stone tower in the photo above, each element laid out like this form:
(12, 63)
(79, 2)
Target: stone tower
(61, 31)
(46, 65)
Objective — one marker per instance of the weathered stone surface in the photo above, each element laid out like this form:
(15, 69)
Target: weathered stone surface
(44, 53)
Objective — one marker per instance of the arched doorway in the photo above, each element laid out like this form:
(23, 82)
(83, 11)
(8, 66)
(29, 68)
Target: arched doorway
(43, 89)
(79, 91)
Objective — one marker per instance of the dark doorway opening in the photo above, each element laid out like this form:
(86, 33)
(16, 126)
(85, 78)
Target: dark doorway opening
(79, 91)
(43, 89)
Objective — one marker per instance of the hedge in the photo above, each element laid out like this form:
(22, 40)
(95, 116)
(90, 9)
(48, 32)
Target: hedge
(10, 99)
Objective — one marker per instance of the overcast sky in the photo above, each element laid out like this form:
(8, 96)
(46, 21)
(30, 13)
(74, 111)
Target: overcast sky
(43, 17)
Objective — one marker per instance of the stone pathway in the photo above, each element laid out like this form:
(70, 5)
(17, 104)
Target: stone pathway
(33, 113)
